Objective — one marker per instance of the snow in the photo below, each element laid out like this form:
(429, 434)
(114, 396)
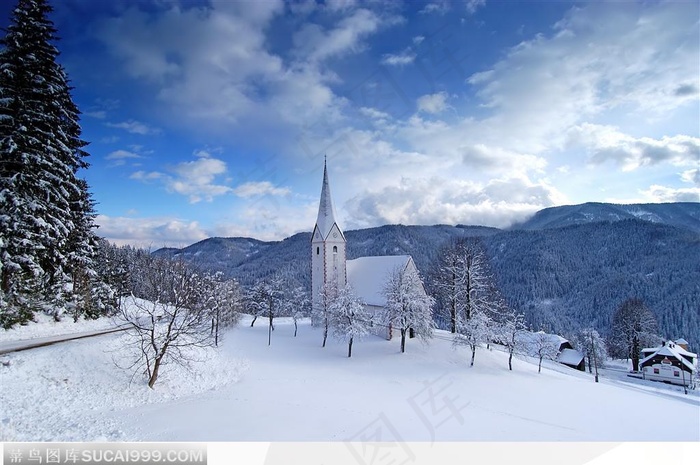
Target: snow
(367, 276)
(45, 326)
(294, 390)
(570, 357)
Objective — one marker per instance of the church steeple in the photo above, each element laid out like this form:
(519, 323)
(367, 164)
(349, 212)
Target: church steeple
(328, 264)
(326, 212)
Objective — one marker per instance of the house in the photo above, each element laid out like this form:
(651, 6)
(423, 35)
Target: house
(566, 354)
(669, 363)
(330, 267)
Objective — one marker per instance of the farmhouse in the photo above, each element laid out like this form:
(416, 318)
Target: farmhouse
(566, 354)
(669, 363)
(330, 267)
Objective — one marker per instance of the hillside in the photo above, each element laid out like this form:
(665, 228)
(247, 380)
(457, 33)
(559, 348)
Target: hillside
(294, 390)
(562, 277)
(680, 214)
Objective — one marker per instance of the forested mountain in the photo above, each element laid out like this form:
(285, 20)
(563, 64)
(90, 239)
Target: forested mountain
(562, 278)
(681, 214)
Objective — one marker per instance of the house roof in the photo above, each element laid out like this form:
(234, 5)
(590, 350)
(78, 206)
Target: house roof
(570, 357)
(557, 340)
(672, 351)
(681, 341)
(367, 275)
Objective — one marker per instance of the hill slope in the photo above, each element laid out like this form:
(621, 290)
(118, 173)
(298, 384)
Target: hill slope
(294, 390)
(681, 214)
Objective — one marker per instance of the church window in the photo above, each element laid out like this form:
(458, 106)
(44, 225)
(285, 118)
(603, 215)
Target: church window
(335, 249)
(318, 250)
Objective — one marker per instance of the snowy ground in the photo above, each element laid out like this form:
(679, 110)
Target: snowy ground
(295, 390)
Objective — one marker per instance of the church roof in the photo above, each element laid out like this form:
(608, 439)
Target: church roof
(326, 212)
(367, 276)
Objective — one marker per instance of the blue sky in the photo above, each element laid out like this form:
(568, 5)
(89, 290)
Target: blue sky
(212, 118)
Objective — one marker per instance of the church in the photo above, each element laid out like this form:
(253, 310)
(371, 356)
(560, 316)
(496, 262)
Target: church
(329, 263)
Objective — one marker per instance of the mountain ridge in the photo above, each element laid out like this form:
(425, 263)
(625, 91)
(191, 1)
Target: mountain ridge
(561, 277)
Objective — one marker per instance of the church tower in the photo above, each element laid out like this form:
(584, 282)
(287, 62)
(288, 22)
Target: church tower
(327, 247)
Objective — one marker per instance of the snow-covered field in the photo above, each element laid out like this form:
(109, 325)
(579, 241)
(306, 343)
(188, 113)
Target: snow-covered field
(295, 390)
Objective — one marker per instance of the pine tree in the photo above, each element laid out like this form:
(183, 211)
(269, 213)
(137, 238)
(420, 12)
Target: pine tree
(46, 213)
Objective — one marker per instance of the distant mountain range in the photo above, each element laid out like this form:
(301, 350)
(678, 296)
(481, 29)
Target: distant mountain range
(681, 214)
(566, 267)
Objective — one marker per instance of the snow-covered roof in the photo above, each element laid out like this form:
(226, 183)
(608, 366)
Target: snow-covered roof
(681, 341)
(326, 212)
(367, 275)
(672, 345)
(529, 337)
(570, 357)
(673, 351)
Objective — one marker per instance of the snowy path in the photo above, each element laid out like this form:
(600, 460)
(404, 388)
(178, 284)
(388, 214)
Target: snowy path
(7, 347)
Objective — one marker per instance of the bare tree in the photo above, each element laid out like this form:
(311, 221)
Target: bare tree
(163, 328)
(408, 307)
(508, 332)
(222, 298)
(298, 306)
(633, 325)
(593, 347)
(348, 316)
(464, 281)
(543, 346)
(473, 332)
(320, 315)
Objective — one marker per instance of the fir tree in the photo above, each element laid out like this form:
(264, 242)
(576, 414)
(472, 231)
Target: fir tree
(46, 213)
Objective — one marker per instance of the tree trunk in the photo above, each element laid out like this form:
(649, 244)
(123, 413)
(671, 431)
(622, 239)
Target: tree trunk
(295, 328)
(350, 348)
(539, 367)
(154, 373)
(635, 354)
(403, 340)
(253, 322)
(325, 334)
(453, 318)
(510, 359)
(216, 333)
(269, 333)
(471, 364)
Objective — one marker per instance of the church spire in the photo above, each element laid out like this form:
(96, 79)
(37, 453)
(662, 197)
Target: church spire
(326, 212)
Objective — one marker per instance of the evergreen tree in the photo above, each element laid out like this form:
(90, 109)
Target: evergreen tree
(46, 213)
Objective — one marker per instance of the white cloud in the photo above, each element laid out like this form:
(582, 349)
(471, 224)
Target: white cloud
(657, 193)
(433, 103)
(473, 5)
(135, 127)
(691, 176)
(98, 114)
(253, 189)
(608, 143)
(406, 57)
(440, 7)
(315, 44)
(216, 73)
(119, 157)
(599, 59)
(498, 203)
(150, 233)
(195, 179)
